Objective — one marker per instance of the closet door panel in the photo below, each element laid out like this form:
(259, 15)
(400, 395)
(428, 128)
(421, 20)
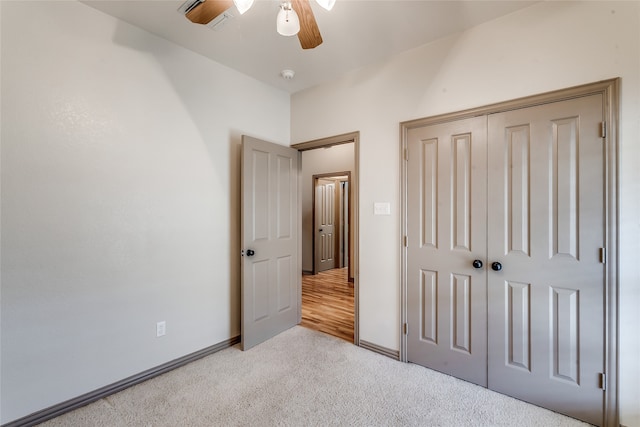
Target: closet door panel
(447, 232)
(546, 225)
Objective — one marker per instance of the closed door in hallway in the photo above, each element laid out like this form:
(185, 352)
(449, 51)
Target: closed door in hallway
(325, 223)
(506, 225)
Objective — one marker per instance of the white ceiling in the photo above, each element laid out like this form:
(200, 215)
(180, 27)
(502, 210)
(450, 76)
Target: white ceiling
(356, 33)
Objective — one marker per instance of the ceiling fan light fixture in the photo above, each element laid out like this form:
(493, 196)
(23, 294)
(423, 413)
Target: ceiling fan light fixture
(327, 4)
(287, 23)
(243, 5)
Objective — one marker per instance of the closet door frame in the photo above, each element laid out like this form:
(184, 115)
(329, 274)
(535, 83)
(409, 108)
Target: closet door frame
(609, 89)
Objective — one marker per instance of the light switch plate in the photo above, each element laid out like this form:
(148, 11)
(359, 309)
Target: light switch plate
(382, 208)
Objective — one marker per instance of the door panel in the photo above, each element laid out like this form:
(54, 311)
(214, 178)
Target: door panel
(447, 228)
(546, 226)
(270, 283)
(325, 224)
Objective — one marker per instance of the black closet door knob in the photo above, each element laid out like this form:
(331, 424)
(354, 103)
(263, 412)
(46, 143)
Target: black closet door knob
(477, 263)
(496, 266)
(250, 252)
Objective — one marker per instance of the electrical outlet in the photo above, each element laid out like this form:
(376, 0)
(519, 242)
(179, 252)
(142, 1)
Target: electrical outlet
(161, 328)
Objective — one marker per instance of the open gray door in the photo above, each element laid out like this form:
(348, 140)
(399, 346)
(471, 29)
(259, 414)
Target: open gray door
(270, 279)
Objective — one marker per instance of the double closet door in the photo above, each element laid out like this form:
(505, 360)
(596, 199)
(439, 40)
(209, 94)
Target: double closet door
(506, 235)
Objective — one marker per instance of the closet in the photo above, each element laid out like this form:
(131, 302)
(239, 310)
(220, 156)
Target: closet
(505, 217)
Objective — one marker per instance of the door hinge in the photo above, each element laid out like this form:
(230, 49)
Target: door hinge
(406, 154)
(603, 381)
(406, 241)
(603, 255)
(406, 328)
(603, 130)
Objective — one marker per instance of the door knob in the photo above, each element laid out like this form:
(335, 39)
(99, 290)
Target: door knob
(251, 252)
(477, 263)
(496, 266)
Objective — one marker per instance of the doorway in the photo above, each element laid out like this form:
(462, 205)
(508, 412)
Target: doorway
(329, 188)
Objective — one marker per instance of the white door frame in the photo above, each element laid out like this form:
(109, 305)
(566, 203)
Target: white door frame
(609, 89)
(352, 137)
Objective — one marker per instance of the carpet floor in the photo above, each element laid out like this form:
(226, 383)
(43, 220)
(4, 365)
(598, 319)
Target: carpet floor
(306, 378)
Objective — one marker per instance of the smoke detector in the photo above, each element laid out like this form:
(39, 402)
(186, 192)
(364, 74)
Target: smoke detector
(287, 74)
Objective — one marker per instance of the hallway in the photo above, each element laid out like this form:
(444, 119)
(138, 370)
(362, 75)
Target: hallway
(327, 303)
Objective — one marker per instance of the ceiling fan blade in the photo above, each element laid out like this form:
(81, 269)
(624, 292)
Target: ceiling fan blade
(309, 34)
(207, 11)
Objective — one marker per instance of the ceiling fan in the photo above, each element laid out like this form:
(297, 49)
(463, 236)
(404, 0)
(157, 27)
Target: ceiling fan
(294, 17)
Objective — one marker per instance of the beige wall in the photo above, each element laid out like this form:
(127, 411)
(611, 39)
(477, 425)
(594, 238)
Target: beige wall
(338, 158)
(548, 46)
(120, 205)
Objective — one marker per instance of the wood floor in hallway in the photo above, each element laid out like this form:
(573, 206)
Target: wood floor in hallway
(327, 303)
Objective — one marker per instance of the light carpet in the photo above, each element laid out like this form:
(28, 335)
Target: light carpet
(306, 378)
